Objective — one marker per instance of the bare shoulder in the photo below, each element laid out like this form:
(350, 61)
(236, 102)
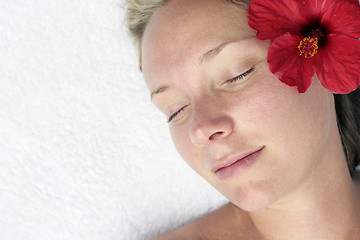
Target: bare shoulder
(228, 222)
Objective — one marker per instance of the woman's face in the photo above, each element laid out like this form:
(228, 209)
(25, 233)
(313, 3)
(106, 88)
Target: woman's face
(208, 74)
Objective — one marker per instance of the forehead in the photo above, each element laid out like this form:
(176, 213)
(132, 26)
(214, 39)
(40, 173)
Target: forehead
(179, 32)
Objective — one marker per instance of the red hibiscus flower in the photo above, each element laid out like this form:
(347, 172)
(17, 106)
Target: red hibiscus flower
(311, 36)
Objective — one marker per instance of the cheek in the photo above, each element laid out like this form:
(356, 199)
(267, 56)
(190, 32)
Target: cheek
(297, 127)
(293, 126)
(282, 109)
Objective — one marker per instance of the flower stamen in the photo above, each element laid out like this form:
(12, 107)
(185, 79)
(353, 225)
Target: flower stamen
(308, 46)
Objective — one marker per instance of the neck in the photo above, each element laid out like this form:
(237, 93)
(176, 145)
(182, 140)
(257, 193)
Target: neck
(325, 206)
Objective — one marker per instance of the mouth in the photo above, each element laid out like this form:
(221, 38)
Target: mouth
(236, 164)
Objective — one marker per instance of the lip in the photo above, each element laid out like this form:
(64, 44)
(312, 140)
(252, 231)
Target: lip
(235, 164)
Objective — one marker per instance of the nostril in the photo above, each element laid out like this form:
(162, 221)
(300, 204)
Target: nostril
(216, 135)
(206, 130)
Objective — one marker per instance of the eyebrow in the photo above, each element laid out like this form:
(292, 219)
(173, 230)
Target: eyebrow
(206, 57)
(160, 89)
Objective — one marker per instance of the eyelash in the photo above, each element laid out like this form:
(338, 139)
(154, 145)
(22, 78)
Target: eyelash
(241, 76)
(172, 116)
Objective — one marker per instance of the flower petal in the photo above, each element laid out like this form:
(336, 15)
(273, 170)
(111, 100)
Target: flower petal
(318, 7)
(284, 58)
(343, 18)
(272, 19)
(338, 64)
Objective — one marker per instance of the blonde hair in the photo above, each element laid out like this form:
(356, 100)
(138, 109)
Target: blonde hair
(139, 13)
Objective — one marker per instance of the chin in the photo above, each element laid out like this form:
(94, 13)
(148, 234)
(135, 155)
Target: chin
(253, 200)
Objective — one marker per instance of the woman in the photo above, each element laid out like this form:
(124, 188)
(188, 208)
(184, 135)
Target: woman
(274, 150)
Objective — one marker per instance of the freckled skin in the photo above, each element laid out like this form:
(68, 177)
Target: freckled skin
(298, 131)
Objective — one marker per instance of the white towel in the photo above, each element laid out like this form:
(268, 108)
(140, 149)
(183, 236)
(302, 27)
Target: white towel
(83, 152)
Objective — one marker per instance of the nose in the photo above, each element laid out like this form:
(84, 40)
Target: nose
(209, 124)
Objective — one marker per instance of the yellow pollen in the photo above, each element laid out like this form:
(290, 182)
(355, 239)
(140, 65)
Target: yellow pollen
(308, 46)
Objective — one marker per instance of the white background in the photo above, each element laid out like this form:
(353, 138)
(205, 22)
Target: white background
(83, 152)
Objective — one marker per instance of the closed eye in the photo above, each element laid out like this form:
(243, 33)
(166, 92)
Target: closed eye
(172, 116)
(240, 77)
